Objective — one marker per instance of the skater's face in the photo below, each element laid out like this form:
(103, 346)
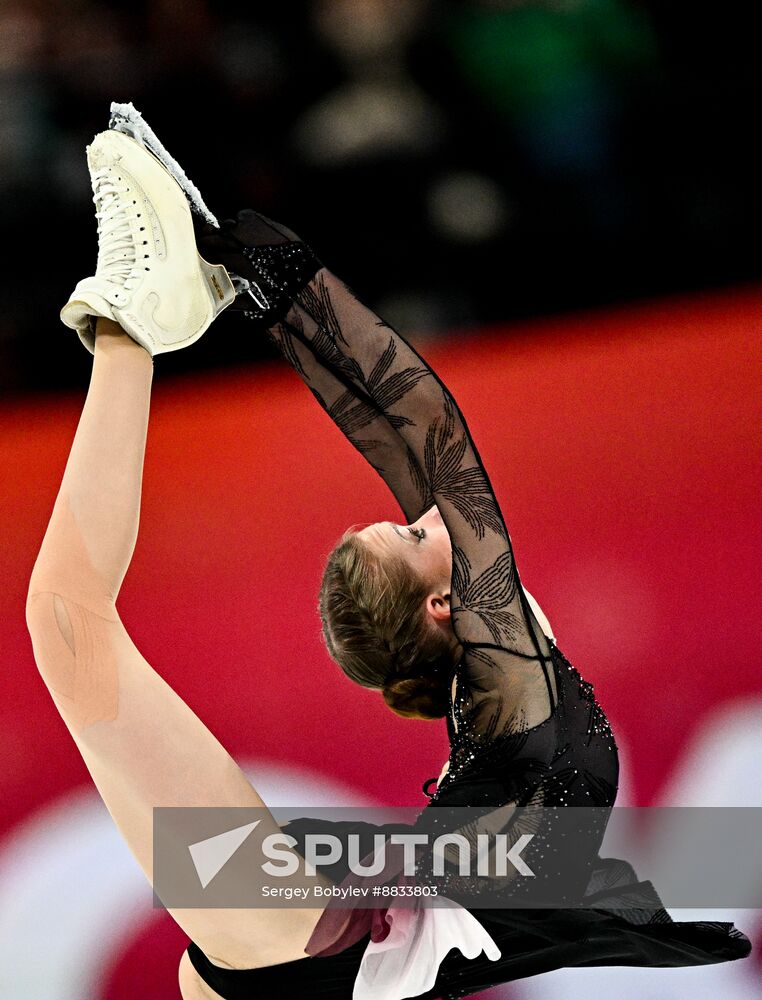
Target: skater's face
(425, 546)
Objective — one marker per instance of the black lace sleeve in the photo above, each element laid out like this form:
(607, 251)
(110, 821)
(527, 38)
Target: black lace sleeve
(360, 420)
(504, 686)
(358, 365)
(273, 261)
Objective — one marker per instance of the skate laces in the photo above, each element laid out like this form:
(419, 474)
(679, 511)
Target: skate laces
(117, 254)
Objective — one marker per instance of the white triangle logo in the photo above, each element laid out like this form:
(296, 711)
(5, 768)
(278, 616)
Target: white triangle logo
(210, 855)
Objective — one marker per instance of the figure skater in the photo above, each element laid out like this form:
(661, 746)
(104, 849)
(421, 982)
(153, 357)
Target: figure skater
(429, 611)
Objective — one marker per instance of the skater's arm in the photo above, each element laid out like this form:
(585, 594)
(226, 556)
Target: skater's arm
(361, 421)
(307, 305)
(506, 688)
(279, 262)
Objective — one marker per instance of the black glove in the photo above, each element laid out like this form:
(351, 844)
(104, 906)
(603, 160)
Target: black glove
(271, 258)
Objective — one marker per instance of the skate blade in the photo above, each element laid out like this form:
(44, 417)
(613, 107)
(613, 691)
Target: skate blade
(127, 119)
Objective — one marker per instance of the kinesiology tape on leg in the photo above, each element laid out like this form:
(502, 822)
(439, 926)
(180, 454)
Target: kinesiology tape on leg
(72, 618)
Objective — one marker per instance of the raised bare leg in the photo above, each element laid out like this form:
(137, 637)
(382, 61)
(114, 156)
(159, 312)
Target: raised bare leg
(142, 744)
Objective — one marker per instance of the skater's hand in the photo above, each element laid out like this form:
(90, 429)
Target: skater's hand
(269, 256)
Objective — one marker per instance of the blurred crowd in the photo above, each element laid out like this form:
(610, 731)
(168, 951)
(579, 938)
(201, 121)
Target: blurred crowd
(458, 162)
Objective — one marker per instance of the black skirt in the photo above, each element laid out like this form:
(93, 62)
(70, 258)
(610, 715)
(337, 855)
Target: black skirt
(613, 929)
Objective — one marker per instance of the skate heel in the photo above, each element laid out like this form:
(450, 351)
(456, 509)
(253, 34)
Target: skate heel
(218, 283)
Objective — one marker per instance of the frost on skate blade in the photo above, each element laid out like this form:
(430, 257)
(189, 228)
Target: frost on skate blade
(126, 118)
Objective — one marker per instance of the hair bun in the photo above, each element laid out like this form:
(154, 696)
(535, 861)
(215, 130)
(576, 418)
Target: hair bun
(417, 697)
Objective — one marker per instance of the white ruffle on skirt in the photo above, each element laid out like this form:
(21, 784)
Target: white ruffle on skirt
(406, 963)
